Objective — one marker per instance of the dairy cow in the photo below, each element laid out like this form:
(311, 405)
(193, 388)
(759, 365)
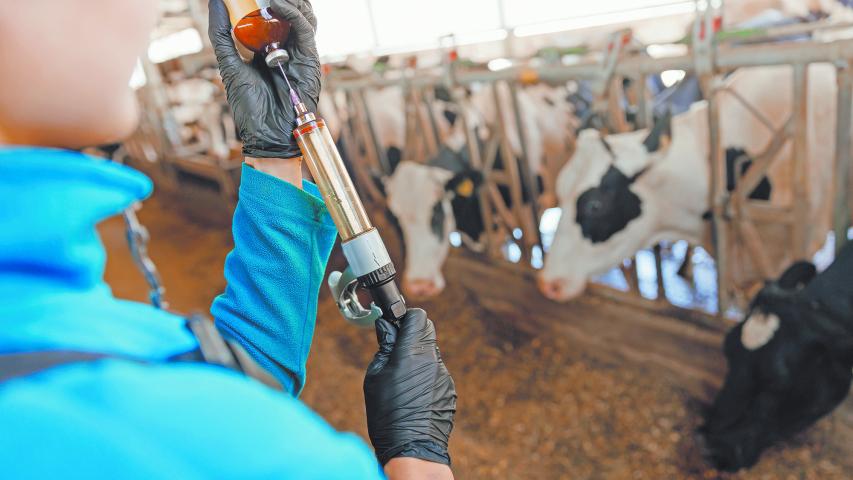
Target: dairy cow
(430, 201)
(433, 199)
(619, 196)
(789, 363)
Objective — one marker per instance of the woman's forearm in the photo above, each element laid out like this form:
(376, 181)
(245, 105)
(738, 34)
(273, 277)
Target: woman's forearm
(287, 169)
(416, 469)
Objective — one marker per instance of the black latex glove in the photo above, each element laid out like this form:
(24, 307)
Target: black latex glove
(410, 396)
(258, 94)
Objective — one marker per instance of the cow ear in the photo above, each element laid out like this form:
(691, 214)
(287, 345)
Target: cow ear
(464, 184)
(797, 275)
(659, 136)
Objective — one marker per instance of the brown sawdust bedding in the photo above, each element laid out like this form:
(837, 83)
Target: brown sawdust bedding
(531, 406)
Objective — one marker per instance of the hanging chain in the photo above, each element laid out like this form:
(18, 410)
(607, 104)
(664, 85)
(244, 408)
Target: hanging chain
(137, 239)
(137, 235)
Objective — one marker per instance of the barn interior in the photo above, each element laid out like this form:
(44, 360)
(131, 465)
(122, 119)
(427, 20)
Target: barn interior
(612, 381)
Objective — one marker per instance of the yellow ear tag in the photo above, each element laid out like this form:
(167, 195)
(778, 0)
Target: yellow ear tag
(528, 76)
(465, 188)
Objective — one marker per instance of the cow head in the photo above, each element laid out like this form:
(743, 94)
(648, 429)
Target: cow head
(605, 215)
(789, 365)
(429, 202)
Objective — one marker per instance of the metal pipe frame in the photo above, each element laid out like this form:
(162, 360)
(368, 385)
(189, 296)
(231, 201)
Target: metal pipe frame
(841, 207)
(511, 166)
(727, 58)
(729, 214)
(528, 177)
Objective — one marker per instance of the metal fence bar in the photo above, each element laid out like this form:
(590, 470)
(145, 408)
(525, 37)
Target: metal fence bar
(532, 236)
(726, 59)
(370, 133)
(510, 163)
(841, 210)
(729, 215)
(763, 160)
(800, 110)
(718, 195)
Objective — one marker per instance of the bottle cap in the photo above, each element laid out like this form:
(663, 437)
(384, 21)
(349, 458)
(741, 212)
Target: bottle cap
(277, 57)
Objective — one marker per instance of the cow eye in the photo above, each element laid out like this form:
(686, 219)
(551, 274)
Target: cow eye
(437, 220)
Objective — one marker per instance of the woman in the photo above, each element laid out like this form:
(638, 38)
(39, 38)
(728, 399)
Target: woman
(125, 399)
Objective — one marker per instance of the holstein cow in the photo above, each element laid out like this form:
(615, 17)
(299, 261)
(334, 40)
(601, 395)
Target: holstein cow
(620, 194)
(431, 200)
(789, 363)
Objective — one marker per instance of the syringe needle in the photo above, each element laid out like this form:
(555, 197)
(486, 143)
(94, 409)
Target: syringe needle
(287, 80)
(294, 98)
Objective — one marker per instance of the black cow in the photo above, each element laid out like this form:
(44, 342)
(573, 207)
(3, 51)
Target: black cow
(789, 362)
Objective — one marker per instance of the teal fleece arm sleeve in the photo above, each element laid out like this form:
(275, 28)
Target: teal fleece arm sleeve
(282, 240)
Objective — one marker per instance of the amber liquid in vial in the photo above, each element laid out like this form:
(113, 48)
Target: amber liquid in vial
(262, 31)
(255, 25)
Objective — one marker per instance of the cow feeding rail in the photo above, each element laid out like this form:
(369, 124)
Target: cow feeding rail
(733, 214)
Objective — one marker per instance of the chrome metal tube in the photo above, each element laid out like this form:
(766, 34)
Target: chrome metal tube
(333, 180)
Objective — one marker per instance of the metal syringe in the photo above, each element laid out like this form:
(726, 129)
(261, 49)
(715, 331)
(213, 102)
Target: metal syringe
(369, 262)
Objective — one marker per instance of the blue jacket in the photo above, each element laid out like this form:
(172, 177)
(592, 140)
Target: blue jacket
(122, 419)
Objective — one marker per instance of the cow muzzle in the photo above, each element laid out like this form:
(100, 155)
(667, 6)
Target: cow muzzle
(732, 451)
(561, 289)
(421, 288)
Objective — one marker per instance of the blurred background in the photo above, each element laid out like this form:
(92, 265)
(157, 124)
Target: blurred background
(580, 350)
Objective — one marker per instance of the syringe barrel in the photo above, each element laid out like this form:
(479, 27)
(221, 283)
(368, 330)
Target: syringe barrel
(333, 180)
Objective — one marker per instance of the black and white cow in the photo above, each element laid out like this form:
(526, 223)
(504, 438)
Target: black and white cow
(789, 363)
(431, 200)
(617, 196)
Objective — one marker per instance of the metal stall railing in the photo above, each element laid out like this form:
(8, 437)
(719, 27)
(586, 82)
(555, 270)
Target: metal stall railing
(731, 212)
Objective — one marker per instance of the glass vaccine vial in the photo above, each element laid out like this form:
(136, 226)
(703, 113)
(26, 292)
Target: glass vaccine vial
(260, 30)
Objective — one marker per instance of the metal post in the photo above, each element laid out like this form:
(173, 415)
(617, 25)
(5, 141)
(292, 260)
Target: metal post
(413, 139)
(356, 152)
(372, 23)
(427, 118)
(369, 132)
(527, 176)
(509, 41)
(644, 113)
(198, 12)
(661, 286)
(472, 141)
(510, 163)
(644, 120)
(718, 196)
(800, 113)
(841, 210)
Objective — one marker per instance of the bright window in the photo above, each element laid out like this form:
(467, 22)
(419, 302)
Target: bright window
(526, 12)
(185, 42)
(343, 26)
(377, 26)
(418, 23)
